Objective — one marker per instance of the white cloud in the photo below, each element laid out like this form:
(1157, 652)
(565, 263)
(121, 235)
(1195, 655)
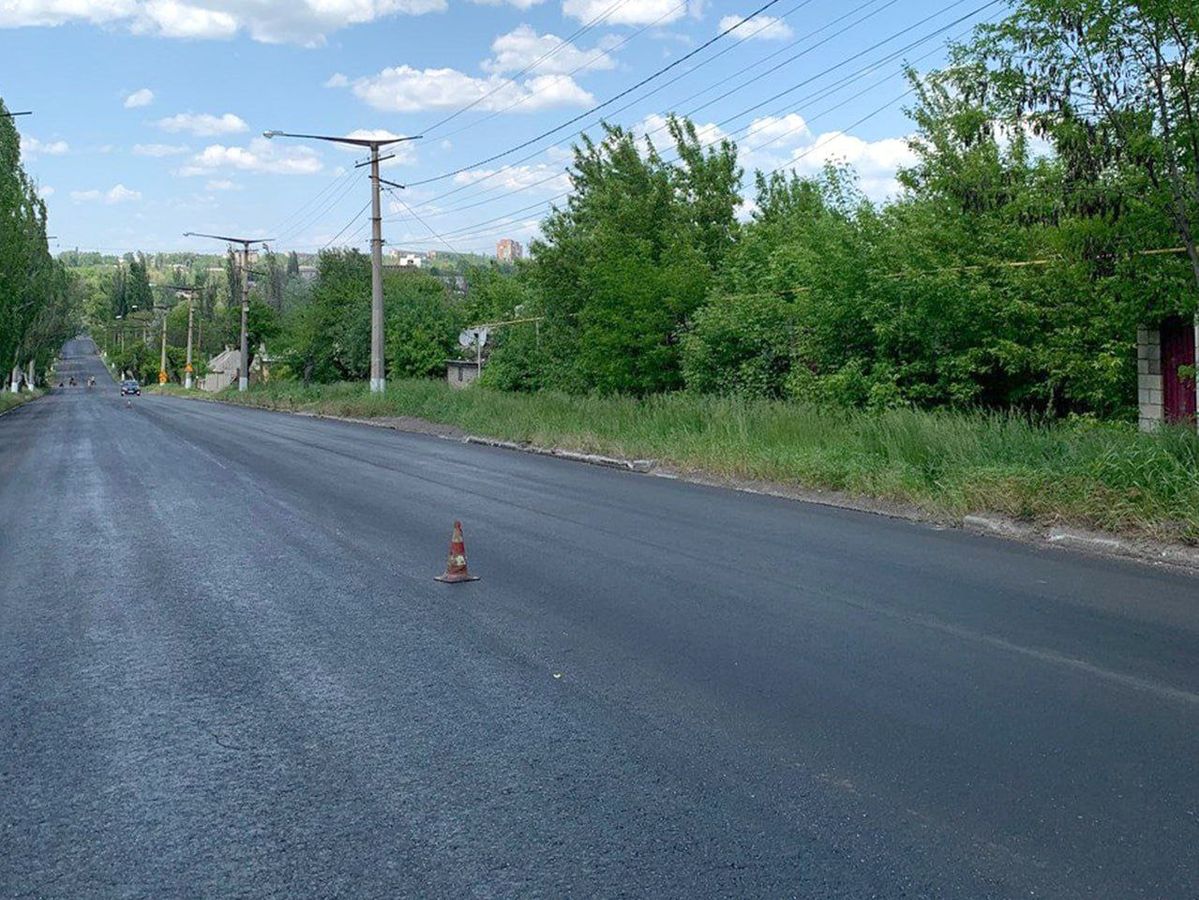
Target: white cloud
(875, 162)
(631, 12)
(405, 89)
(760, 28)
(402, 154)
(204, 124)
(44, 191)
(221, 184)
(261, 156)
(786, 142)
(169, 18)
(159, 149)
(116, 194)
(549, 178)
(31, 147)
(269, 21)
(140, 97)
(522, 46)
(337, 80)
(519, 4)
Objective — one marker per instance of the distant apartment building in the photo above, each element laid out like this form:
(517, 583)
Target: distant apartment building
(407, 259)
(508, 250)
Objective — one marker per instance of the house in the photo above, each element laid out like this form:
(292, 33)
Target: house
(1166, 384)
(225, 367)
(460, 373)
(223, 370)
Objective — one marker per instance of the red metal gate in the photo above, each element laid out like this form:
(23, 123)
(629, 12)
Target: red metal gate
(1178, 349)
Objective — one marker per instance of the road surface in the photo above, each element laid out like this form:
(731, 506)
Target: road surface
(226, 669)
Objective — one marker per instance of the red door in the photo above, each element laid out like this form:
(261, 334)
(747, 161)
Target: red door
(1178, 349)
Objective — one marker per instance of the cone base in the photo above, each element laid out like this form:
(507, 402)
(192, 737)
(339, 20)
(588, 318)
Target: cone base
(452, 578)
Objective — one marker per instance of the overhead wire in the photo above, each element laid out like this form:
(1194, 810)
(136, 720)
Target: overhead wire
(602, 105)
(819, 94)
(758, 77)
(511, 79)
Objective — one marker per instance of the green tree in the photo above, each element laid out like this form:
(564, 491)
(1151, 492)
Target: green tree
(629, 257)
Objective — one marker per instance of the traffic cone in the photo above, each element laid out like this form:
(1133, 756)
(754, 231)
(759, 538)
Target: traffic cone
(455, 567)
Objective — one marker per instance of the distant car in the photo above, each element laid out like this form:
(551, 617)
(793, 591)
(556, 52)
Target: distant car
(130, 387)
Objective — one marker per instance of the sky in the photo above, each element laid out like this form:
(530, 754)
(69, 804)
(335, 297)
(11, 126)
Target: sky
(148, 114)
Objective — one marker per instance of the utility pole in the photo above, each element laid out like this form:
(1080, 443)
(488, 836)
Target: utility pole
(191, 294)
(187, 376)
(162, 365)
(378, 379)
(243, 378)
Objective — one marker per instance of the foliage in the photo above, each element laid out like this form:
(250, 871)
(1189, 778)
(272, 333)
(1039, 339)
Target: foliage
(39, 300)
(630, 257)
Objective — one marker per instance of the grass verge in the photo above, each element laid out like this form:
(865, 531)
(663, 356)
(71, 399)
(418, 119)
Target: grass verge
(9, 400)
(1097, 475)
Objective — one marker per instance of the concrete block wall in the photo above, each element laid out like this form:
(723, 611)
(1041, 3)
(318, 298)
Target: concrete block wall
(1149, 378)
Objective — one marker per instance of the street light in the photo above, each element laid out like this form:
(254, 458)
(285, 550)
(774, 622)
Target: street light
(243, 379)
(13, 115)
(377, 376)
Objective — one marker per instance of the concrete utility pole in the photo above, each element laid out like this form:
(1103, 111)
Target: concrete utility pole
(378, 379)
(162, 365)
(243, 378)
(191, 295)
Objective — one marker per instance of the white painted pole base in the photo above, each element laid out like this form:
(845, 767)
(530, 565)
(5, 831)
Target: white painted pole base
(243, 383)
(187, 382)
(378, 385)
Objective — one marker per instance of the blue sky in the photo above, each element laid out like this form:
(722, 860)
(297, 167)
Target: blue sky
(148, 113)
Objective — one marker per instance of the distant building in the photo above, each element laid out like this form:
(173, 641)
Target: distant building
(308, 273)
(508, 250)
(407, 259)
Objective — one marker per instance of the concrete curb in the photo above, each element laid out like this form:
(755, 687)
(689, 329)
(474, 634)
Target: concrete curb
(642, 466)
(1096, 543)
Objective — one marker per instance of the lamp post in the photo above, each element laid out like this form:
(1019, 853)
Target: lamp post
(378, 381)
(243, 379)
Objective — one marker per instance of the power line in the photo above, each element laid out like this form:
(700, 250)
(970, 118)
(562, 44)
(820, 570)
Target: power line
(412, 212)
(605, 103)
(357, 216)
(656, 90)
(764, 74)
(511, 79)
(333, 202)
(824, 92)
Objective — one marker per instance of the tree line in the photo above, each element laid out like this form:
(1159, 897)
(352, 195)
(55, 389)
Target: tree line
(1051, 207)
(39, 300)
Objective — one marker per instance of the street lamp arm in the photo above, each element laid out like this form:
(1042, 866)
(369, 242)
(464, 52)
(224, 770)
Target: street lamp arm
(232, 240)
(357, 142)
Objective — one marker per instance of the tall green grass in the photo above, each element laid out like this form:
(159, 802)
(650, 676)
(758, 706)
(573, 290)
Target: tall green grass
(8, 400)
(1102, 475)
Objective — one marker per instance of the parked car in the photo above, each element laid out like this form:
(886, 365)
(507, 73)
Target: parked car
(130, 387)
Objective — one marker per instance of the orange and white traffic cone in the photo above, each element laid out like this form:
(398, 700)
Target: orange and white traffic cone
(455, 567)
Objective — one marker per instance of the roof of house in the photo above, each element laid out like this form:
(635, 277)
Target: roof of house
(226, 361)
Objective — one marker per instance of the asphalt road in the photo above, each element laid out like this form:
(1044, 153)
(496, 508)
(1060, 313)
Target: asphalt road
(225, 669)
